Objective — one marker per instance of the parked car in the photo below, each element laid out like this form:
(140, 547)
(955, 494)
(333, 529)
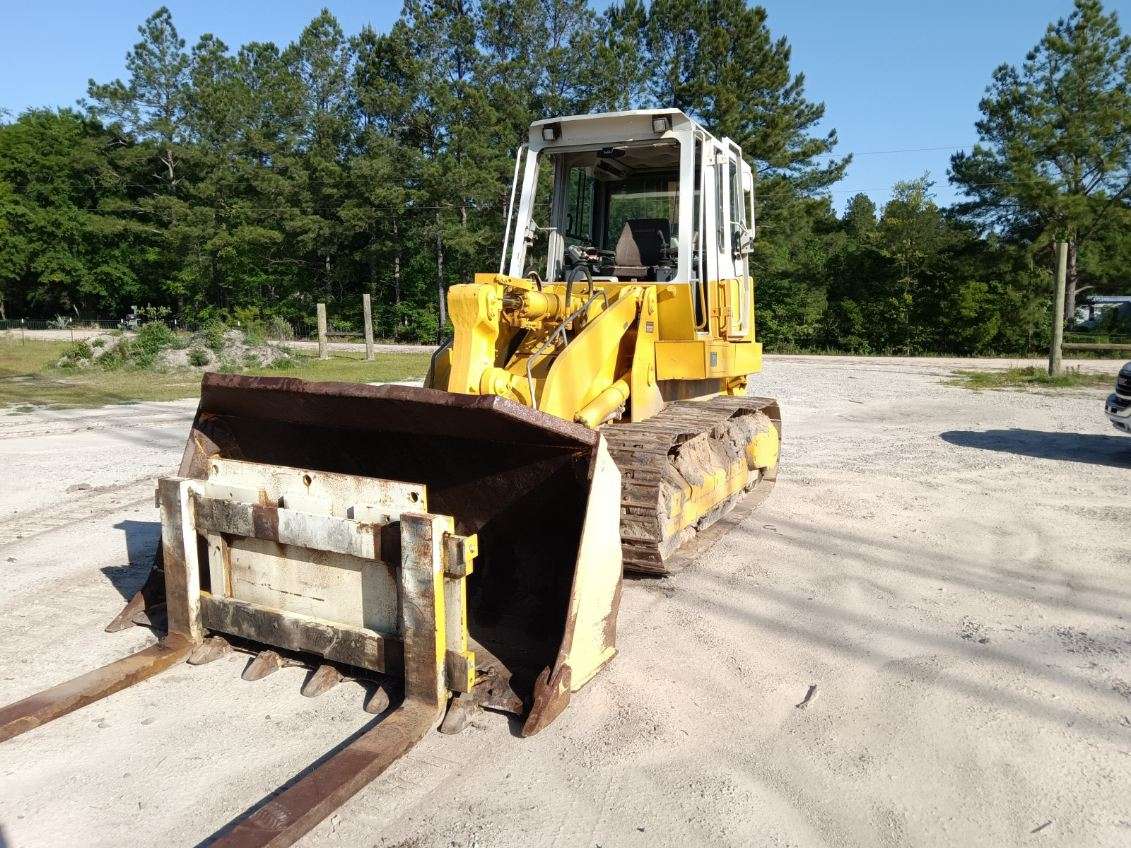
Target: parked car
(1118, 405)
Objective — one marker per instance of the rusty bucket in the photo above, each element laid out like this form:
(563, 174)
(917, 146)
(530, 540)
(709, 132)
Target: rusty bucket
(540, 493)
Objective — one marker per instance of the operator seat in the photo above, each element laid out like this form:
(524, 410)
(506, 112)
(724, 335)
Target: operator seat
(640, 247)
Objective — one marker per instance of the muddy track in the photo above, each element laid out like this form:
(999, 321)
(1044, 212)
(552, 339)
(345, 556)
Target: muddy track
(643, 452)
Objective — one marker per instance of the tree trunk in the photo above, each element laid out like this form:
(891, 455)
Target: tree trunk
(1070, 286)
(3, 312)
(440, 281)
(397, 262)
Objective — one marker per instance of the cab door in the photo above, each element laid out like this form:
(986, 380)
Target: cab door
(736, 238)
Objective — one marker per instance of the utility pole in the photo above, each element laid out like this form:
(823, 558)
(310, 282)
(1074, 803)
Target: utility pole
(367, 315)
(1056, 367)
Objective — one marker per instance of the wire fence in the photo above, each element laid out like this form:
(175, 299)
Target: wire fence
(64, 324)
(275, 331)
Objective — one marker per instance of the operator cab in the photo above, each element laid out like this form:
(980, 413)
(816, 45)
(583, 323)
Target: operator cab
(644, 195)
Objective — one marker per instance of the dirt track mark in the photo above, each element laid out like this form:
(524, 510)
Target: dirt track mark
(75, 507)
(68, 426)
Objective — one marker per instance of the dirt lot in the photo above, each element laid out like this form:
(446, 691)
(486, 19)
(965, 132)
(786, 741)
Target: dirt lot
(950, 569)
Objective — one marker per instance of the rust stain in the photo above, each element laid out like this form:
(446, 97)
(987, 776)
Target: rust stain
(551, 696)
(265, 522)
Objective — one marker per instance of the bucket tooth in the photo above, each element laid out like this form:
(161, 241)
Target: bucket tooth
(209, 650)
(264, 663)
(460, 710)
(325, 678)
(377, 701)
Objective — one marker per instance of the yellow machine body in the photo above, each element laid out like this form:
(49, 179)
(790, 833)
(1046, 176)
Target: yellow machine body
(633, 345)
(637, 295)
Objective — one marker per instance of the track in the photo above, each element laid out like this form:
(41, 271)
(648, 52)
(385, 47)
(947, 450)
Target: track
(653, 452)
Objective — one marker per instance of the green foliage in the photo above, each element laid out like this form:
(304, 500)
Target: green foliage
(150, 314)
(151, 339)
(239, 186)
(211, 335)
(279, 329)
(75, 353)
(198, 357)
(1054, 157)
(1032, 378)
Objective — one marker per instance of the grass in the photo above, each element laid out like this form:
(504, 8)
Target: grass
(1032, 378)
(29, 378)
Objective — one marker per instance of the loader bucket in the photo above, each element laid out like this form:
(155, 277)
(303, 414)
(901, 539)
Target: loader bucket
(468, 545)
(540, 493)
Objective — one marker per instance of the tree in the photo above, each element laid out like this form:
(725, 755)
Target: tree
(717, 61)
(152, 105)
(1053, 160)
(619, 76)
(59, 249)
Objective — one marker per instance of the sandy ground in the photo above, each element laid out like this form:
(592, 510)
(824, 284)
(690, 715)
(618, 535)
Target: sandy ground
(949, 569)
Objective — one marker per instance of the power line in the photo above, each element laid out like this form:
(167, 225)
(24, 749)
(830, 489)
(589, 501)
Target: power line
(908, 150)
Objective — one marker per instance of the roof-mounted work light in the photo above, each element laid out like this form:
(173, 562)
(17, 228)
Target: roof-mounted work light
(661, 124)
(551, 132)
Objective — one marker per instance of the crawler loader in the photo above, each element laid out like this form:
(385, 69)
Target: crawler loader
(461, 545)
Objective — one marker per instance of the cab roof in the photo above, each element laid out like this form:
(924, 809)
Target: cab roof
(612, 127)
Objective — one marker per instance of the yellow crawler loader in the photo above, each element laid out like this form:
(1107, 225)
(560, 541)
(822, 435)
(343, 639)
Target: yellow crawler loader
(461, 545)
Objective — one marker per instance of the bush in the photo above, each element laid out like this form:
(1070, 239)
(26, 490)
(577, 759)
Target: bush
(78, 350)
(283, 363)
(252, 360)
(115, 357)
(199, 357)
(75, 353)
(98, 343)
(154, 314)
(254, 328)
(280, 329)
(151, 339)
(212, 336)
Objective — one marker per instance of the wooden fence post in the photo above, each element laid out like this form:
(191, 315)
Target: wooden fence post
(323, 348)
(367, 313)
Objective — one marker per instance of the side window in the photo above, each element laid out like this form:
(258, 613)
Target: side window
(697, 215)
(737, 211)
(720, 214)
(537, 252)
(579, 207)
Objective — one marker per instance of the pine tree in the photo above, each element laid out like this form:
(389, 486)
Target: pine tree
(1053, 160)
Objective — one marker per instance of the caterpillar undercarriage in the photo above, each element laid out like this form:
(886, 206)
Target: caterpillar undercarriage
(461, 545)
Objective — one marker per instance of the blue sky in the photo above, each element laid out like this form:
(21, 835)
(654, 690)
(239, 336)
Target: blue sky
(895, 75)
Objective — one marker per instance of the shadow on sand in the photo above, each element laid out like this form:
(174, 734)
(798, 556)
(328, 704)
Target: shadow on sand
(142, 539)
(1113, 450)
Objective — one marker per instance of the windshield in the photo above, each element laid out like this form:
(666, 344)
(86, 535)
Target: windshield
(620, 205)
(649, 197)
